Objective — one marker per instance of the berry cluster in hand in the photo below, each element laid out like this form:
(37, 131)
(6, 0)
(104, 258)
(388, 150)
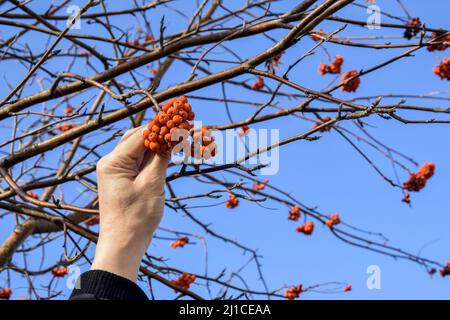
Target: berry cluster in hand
(320, 122)
(443, 69)
(439, 46)
(184, 281)
(306, 228)
(5, 293)
(333, 68)
(293, 293)
(413, 28)
(59, 272)
(259, 84)
(173, 116)
(417, 181)
(232, 202)
(352, 85)
(180, 242)
(446, 270)
(294, 213)
(334, 220)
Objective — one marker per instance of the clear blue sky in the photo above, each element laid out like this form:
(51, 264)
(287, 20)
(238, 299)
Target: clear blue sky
(327, 173)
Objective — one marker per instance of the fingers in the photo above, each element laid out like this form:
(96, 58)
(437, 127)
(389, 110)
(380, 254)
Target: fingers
(131, 146)
(128, 133)
(154, 169)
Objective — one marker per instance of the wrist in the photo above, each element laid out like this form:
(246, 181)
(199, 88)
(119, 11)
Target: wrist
(119, 255)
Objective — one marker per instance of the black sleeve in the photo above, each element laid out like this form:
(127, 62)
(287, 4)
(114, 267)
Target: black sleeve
(103, 285)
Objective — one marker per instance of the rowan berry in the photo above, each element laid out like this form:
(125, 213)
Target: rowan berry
(306, 228)
(446, 270)
(294, 292)
(417, 181)
(334, 67)
(5, 293)
(351, 85)
(294, 213)
(180, 242)
(65, 127)
(257, 186)
(243, 131)
(184, 281)
(232, 202)
(413, 28)
(320, 122)
(59, 272)
(334, 220)
(69, 110)
(443, 41)
(32, 194)
(406, 198)
(443, 69)
(259, 84)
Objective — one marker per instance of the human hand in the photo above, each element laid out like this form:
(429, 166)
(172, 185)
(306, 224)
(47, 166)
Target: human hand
(131, 195)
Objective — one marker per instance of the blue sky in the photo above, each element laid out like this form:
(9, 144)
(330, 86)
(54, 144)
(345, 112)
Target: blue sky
(327, 173)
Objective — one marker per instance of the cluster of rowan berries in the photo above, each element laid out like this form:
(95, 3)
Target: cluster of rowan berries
(418, 180)
(294, 292)
(162, 131)
(446, 270)
(294, 213)
(306, 228)
(92, 221)
(180, 242)
(259, 84)
(443, 69)
(320, 122)
(352, 85)
(184, 281)
(334, 67)
(5, 293)
(441, 46)
(60, 272)
(334, 220)
(232, 202)
(243, 131)
(63, 127)
(413, 29)
(257, 186)
(347, 288)
(32, 194)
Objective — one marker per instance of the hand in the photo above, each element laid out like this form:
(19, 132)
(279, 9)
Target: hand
(131, 195)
